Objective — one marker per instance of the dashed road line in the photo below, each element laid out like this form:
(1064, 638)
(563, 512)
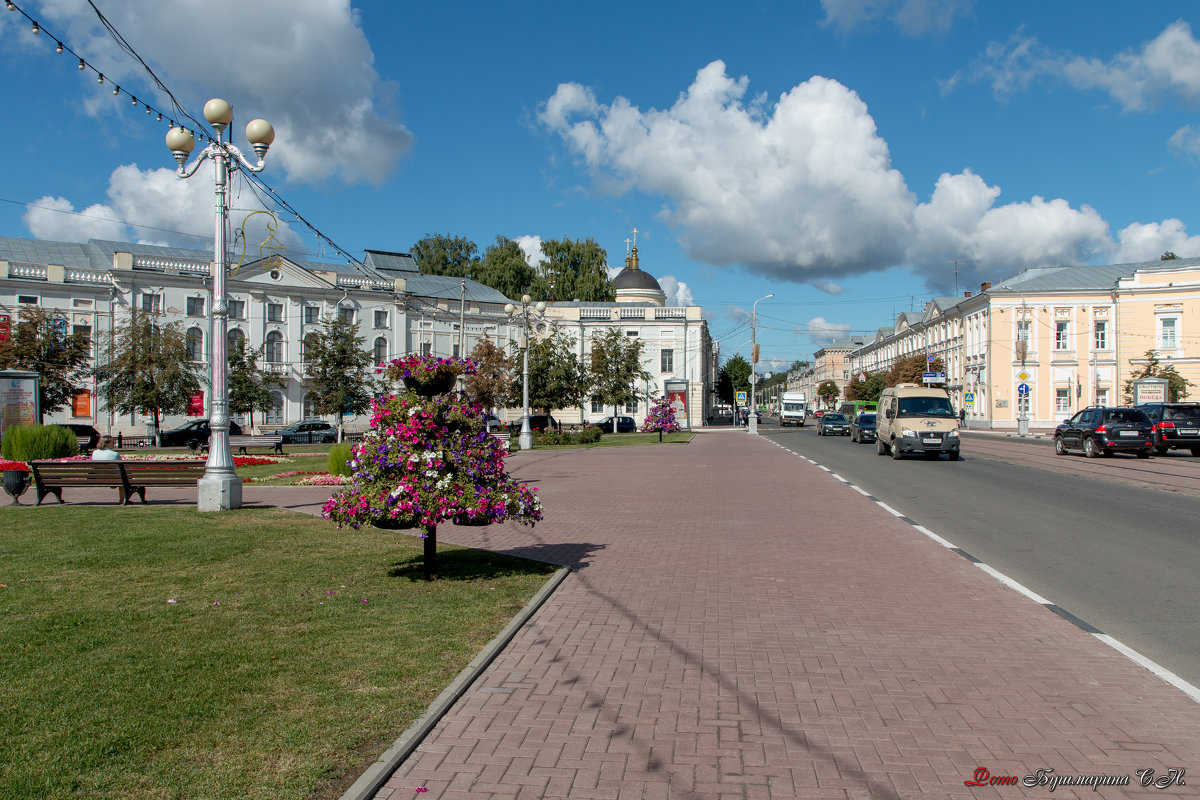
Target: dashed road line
(1162, 672)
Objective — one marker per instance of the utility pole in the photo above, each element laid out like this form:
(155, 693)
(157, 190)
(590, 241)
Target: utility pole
(752, 420)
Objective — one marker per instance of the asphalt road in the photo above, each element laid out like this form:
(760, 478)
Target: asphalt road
(1113, 541)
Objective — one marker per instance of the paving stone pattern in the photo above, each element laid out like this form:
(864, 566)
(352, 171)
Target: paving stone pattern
(739, 624)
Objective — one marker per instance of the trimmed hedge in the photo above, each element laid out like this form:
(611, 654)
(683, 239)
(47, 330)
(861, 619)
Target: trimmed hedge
(34, 442)
(339, 459)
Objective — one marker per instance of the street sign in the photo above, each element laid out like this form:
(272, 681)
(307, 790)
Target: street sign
(1023, 390)
(969, 398)
(928, 359)
(1024, 376)
(933, 377)
(741, 398)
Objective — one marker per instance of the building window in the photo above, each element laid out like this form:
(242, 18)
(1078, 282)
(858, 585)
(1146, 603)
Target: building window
(597, 406)
(1062, 401)
(346, 314)
(81, 303)
(380, 318)
(29, 300)
(151, 303)
(456, 349)
(380, 350)
(1102, 397)
(84, 332)
(1168, 336)
(306, 346)
(1023, 406)
(1100, 340)
(195, 306)
(667, 357)
(631, 406)
(274, 347)
(308, 406)
(631, 333)
(237, 309)
(235, 340)
(195, 344)
(426, 348)
(312, 315)
(1062, 336)
(274, 312)
(1022, 330)
(274, 413)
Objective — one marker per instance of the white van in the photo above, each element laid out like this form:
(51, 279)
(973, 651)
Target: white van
(916, 419)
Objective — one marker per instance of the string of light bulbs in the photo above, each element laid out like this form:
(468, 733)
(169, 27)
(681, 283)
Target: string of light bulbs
(200, 129)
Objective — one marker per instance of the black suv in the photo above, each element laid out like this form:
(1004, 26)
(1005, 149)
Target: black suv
(1102, 430)
(537, 422)
(1176, 426)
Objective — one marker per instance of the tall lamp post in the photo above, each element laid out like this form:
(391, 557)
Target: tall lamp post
(521, 313)
(752, 420)
(220, 489)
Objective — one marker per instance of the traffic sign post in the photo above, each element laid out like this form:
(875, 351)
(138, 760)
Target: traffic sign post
(969, 398)
(1023, 390)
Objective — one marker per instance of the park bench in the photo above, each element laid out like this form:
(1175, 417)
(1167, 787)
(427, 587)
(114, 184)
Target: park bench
(241, 441)
(142, 474)
(51, 477)
(127, 477)
(82, 443)
(505, 438)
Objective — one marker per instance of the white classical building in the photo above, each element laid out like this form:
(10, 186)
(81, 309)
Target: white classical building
(275, 304)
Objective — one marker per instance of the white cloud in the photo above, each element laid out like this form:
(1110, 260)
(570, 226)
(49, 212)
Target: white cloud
(1186, 142)
(678, 293)
(828, 287)
(822, 332)
(912, 17)
(332, 112)
(804, 190)
(1169, 64)
(154, 207)
(532, 247)
(1140, 242)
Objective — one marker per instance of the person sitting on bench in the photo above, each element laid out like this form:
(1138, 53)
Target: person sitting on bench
(104, 450)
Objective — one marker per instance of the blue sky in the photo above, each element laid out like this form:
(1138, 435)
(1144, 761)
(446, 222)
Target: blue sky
(841, 155)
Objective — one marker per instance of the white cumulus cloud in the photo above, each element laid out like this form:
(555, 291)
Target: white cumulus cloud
(803, 189)
(677, 292)
(532, 247)
(912, 17)
(333, 115)
(822, 332)
(1146, 242)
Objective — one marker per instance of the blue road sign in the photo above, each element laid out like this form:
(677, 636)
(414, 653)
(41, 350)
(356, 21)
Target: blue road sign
(969, 397)
(741, 398)
(1023, 389)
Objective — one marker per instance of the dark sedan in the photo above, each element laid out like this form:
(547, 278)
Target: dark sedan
(1104, 431)
(833, 424)
(862, 429)
(537, 422)
(192, 435)
(624, 425)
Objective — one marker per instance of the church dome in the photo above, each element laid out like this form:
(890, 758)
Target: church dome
(634, 285)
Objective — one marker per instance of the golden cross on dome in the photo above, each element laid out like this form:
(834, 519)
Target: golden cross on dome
(635, 233)
(627, 246)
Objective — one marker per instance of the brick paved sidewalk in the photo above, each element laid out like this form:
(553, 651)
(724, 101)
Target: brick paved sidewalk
(742, 625)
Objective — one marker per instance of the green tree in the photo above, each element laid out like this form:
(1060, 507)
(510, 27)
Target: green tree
(828, 391)
(150, 369)
(1177, 385)
(867, 391)
(41, 343)
(557, 379)
(738, 371)
(339, 370)
(493, 380)
(573, 270)
(249, 387)
(455, 256)
(505, 269)
(616, 369)
(1168, 256)
(911, 368)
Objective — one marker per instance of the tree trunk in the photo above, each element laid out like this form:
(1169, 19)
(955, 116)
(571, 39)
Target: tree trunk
(430, 559)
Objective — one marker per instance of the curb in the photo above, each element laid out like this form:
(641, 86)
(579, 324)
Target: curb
(376, 775)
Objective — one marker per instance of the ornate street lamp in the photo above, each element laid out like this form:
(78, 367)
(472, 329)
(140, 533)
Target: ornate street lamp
(521, 314)
(752, 420)
(220, 489)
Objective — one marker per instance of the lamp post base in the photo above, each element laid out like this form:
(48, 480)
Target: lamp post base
(219, 492)
(753, 422)
(525, 440)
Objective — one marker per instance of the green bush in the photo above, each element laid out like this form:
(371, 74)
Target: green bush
(339, 459)
(551, 436)
(36, 442)
(589, 435)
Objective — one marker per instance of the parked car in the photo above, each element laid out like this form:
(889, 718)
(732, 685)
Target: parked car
(308, 431)
(624, 425)
(832, 423)
(862, 428)
(1176, 426)
(494, 425)
(80, 429)
(820, 412)
(1104, 430)
(537, 422)
(192, 435)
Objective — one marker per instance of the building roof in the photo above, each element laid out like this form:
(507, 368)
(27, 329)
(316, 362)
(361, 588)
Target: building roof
(635, 278)
(1100, 276)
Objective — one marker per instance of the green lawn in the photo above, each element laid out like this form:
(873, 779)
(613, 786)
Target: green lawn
(154, 652)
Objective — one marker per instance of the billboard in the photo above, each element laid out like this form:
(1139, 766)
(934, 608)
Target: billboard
(18, 398)
(677, 396)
